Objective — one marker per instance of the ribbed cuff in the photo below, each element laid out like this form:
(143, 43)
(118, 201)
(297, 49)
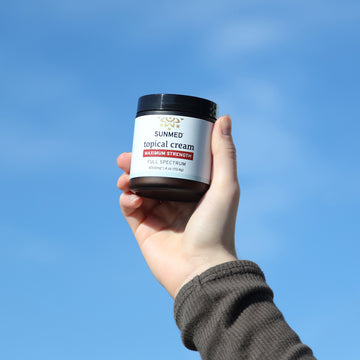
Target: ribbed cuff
(199, 298)
(237, 267)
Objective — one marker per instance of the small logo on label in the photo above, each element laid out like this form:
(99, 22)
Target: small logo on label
(170, 122)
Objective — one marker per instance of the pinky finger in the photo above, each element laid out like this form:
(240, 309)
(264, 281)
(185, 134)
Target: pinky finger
(129, 203)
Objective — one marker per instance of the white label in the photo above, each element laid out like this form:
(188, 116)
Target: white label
(172, 146)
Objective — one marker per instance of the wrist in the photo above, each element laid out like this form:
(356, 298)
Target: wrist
(201, 265)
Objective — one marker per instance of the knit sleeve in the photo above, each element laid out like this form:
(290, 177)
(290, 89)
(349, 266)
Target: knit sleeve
(228, 312)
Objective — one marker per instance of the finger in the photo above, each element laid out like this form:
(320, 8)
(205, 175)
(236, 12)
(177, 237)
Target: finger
(124, 161)
(129, 203)
(224, 158)
(124, 182)
(135, 208)
(149, 205)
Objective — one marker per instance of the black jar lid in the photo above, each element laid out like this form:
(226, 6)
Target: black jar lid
(184, 104)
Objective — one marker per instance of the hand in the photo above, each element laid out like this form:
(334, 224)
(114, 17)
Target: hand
(181, 240)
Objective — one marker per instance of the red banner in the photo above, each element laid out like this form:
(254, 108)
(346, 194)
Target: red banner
(169, 154)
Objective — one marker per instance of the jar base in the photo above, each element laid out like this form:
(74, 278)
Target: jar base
(168, 189)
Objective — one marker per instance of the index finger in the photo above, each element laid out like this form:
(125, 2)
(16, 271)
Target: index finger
(124, 161)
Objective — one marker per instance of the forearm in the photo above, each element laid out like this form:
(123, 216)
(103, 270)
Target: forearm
(228, 313)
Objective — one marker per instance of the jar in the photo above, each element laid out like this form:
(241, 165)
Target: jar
(171, 154)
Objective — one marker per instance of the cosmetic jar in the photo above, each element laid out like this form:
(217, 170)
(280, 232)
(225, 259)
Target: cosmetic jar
(171, 154)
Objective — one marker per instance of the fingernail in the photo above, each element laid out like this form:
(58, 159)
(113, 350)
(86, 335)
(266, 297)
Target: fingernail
(226, 125)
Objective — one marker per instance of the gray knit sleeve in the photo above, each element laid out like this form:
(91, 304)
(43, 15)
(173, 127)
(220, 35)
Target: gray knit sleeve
(228, 313)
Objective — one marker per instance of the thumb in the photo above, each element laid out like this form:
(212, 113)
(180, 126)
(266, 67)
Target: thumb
(224, 172)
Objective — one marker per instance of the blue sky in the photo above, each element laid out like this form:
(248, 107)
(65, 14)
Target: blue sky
(73, 282)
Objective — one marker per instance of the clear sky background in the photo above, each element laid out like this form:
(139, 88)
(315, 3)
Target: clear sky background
(73, 284)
